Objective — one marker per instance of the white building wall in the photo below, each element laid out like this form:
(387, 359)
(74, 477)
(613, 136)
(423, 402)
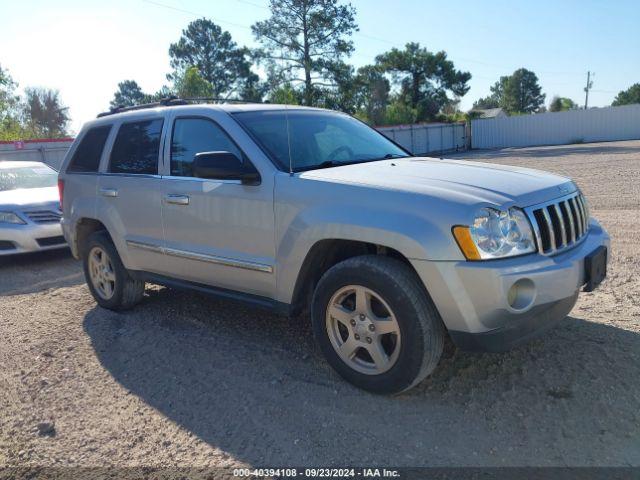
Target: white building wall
(559, 128)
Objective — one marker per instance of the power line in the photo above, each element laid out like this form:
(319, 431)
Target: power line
(219, 20)
(247, 27)
(253, 4)
(190, 12)
(370, 37)
(368, 57)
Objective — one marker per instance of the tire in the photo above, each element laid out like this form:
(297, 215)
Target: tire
(404, 306)
(124, 292)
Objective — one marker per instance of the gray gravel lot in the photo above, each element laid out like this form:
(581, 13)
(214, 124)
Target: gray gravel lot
(186, 380)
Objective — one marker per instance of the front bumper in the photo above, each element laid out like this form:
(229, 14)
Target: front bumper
(474, 302)
(30, 238)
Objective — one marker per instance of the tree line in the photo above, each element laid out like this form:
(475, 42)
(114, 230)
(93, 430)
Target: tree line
(303, 49)
(301, 59)
(36, 114)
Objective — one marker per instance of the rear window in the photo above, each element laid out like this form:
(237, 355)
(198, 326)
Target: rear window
(136, 148)
(27, 177)
(87, 156)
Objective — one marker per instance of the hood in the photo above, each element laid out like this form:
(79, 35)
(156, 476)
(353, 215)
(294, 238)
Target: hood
(25, 197)
(463, 181)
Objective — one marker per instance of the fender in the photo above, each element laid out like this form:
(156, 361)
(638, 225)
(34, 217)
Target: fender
(410, 234)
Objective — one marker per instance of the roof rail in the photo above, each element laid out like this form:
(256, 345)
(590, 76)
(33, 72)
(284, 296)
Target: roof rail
(219, 100)
(171, 102)
(163, 102)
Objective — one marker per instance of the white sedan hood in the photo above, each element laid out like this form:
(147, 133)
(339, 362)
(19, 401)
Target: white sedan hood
(28, 196)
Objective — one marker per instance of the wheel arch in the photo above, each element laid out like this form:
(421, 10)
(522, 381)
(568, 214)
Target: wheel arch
(326, 253)
(84, 227)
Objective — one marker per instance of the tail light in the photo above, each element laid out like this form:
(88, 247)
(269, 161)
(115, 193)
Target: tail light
(61, 191)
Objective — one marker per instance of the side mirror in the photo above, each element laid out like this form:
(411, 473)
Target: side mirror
(224, 166)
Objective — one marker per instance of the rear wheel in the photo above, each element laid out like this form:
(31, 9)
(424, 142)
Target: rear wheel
(376, 325)
(109, 281)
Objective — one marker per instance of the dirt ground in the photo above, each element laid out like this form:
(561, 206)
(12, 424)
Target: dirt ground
(184, 380)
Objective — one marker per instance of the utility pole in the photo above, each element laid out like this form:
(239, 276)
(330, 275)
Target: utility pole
(587, 88)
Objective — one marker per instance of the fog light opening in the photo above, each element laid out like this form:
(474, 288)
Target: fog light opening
(521, 294)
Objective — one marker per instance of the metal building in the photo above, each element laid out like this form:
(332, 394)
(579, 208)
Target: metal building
(559, 128)
(428, 138)
(50, 151)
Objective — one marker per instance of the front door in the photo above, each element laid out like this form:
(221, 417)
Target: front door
(217, 232)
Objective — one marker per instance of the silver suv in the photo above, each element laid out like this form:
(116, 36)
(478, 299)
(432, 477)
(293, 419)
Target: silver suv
(308, 210)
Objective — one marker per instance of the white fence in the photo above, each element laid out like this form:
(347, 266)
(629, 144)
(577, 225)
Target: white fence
(428, 137)
(573, 126)
(51, 152)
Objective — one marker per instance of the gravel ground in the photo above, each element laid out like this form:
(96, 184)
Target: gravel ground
(184, 380)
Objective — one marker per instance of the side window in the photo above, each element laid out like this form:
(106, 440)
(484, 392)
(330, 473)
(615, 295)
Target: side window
(136, 148)
(196, 135)
(86, 158)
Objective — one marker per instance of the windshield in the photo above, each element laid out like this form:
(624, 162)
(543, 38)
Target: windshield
(14, 178)
(316, 139)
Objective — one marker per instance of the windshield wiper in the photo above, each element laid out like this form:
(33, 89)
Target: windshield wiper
(327, 164)
(333, 163)
(388, 156)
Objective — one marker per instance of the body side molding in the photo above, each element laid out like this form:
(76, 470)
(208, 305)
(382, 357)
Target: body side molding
(229, 262)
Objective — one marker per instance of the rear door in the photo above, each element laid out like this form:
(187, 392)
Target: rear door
(217, 232)
(129, 200)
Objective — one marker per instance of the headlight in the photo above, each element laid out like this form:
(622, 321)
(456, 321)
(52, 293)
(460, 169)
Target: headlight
(496, 234)
(10, 217)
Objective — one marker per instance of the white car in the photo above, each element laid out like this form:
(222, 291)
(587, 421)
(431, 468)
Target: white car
(29, 208)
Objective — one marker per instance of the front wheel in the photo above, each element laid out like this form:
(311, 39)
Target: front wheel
(376, 325)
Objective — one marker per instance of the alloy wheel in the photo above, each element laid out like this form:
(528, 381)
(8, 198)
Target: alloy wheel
(102, 274)
(363, 330)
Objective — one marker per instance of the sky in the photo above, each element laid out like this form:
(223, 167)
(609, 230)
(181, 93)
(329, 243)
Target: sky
(84, 48)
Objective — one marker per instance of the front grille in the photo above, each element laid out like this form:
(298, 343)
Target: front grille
(560, 224)
(50, 241)
(44, 216)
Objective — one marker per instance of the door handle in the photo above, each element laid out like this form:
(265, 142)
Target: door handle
(176, 199)
(109, 192)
